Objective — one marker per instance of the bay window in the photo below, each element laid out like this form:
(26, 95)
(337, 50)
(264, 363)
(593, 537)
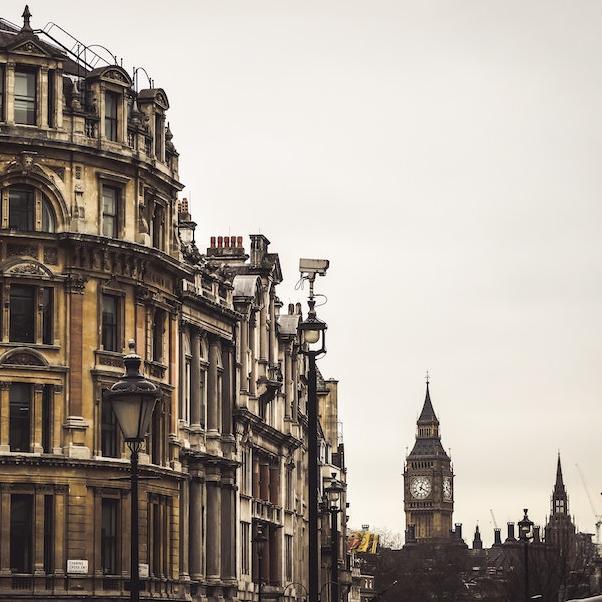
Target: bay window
(23, 212)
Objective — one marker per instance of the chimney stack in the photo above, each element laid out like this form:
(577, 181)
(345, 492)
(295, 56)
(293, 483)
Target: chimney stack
(497, 537)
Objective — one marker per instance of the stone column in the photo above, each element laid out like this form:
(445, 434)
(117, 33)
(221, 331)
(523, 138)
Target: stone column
(184, 529)
(263, 330)
(195, 378)
(228, 533)
(4, 417)
(57, 394)
(213, 417)
(244, 355)
(36, 422)
(58, 98)
(9, 94)
(5, 529)
(60, 492)
(38, 528)
(227, 388)
(75, 288)
(195, 533)
(287, 381)
(214, 528)
(126, 518)
(42, 97)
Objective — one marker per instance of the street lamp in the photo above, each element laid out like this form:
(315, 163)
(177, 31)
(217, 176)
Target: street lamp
(133, 399)
(312, 333)
(333, 493)
(260, 540)
(525, 534)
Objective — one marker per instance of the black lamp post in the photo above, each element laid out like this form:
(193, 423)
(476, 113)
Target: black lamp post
(333, 493)
(260, 540)
(312, 332)
(525, 534)
(133, 399)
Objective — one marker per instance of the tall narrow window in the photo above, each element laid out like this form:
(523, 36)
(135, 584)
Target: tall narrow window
(288, 557)
(20, 417)
(203, 396)
(48, 221)
(110, 206)
(111, 102)
(158, 332)
(289, 488)
(51, 99)
(156, 542)
(244, 471)
(157, 434)
(245, 530)
(2, 103)
(46, 315)
(108, 537)
(47, 399)
(48, 534)
(186, 393)
(25, 97)
(21, 209)
(109, 432)
(159, 137)
(22, 313)
(110, 323)
(158, 229)
(21, 533)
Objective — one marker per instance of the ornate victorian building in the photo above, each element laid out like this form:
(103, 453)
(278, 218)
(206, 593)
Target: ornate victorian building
(428, 482)
(95, 250)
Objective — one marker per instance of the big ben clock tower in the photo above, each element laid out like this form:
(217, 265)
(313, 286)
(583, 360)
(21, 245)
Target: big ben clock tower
(428, 482)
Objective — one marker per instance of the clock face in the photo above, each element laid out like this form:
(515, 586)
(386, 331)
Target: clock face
(420, 487)
(447, 488)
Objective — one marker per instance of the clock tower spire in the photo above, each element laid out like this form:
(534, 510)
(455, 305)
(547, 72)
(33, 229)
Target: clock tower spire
(428, 480)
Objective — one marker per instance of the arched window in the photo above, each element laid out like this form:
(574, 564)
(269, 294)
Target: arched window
(48, 221)
(30, 210)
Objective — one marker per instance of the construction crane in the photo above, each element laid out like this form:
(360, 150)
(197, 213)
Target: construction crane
(493, 519)
(591, 503)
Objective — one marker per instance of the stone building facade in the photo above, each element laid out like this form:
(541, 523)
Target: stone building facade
(95, 250)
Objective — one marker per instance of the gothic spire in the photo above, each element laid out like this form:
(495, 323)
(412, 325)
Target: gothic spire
(560, 502)
(559, 481)
(427, 416)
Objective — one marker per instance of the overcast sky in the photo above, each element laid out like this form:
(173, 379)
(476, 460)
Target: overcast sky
(445, 156)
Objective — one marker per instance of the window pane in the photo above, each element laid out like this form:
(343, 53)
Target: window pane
(109, 431)
(21, 512)
(111, 100)
(21, 210)
(109, 211)
(47, 309)
(158, 329)
(109, 537)
(47, 216)
(20, 417)
(22, 318)
(48, 534)
(25, 97)
(110, 323)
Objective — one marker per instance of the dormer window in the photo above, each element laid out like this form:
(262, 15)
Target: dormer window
(111, 103)
(25, 96)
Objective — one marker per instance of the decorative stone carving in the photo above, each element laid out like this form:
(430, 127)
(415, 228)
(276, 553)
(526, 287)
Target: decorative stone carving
(76, 283)
(22, 358)
(50, 255)
(26, 269)
(21, 250)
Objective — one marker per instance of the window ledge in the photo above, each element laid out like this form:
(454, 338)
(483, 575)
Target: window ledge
(30, 345)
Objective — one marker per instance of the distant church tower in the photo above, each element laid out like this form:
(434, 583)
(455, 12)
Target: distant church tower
(560, 530)
(428, 482)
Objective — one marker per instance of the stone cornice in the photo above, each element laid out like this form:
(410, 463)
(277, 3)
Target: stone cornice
(267, 431)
